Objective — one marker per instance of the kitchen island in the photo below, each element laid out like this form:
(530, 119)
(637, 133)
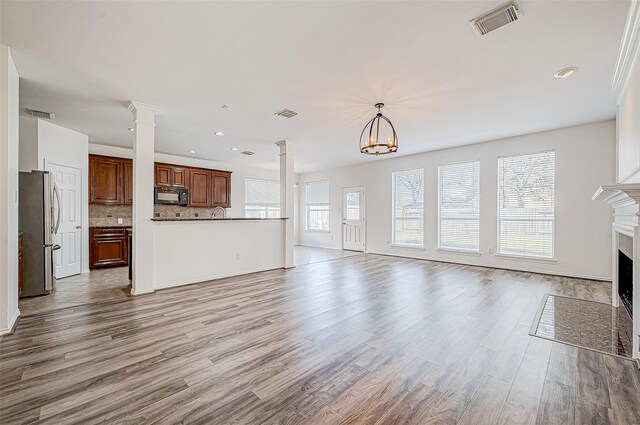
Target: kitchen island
(190, 250)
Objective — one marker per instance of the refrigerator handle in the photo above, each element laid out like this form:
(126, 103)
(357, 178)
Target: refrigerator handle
(57, 198)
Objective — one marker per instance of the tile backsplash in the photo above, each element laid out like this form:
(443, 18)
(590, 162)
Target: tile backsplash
(171, 211)
(108, 215)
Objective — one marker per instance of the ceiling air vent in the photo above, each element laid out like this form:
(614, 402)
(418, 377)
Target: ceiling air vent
(497, 18)
(40, 114)
(286, 113)
(247, 153)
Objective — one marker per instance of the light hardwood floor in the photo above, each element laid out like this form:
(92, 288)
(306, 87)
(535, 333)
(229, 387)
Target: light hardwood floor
(360, 340)
(114, 284)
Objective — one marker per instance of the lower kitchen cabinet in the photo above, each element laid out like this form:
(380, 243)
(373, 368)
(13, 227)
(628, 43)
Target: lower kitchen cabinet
(108, 247)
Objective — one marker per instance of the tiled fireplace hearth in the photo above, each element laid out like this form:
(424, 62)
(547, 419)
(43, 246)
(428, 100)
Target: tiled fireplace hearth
(625, 261)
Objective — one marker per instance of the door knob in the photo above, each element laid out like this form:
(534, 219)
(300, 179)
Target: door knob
(78, 227)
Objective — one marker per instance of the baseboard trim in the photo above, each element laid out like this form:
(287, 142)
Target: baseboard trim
(12, 324)
(136, 294)
(525, 270)
(213, 279)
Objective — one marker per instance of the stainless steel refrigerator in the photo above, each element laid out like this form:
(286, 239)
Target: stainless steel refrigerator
(38, 220)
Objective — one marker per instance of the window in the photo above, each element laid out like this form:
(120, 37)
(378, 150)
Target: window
(317, 206)
(526, 205)
(408, 208)
(459, 206)
(261, 198)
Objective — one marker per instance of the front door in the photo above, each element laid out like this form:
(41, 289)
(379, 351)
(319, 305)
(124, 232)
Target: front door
(68, 183)
(353, 226)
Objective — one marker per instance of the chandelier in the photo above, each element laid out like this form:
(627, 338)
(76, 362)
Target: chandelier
(379, 136)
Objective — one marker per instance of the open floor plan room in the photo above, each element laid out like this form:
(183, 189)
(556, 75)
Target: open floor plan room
(368, 339)
(320, 212)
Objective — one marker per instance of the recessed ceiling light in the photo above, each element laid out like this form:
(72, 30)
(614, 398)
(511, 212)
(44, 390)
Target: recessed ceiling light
(192, 151)
(235, 149)
(130, 128)
(566, 72)
(219, 133)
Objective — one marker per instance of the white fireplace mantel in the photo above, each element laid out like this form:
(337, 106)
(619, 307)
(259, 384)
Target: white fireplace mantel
(625, 201)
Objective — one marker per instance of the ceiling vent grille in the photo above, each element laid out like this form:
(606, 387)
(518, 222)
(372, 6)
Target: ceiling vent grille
(497, 18)
(40, 114)
(247, 153)
(286, 113)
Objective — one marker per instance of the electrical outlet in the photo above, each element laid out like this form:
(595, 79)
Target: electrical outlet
(237, 256)
(120, 221)
(490, 251)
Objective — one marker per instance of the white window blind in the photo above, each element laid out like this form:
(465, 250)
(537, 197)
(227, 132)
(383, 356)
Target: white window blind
(459, 206)
(408, 208)
(526, 205)
(317, 206)
(261, 198)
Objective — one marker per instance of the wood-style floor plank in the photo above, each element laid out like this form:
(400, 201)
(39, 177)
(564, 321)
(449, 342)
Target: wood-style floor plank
(366, 339)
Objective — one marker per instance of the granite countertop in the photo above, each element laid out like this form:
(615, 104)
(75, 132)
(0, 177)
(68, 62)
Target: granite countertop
(213, 219)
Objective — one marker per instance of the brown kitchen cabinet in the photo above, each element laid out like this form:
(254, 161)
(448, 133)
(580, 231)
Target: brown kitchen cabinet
(128, 182)
(168, 175)
(110, 180)
(106, 179)
(199, 188)
(209, 188)
(221, 189)
(108, 247)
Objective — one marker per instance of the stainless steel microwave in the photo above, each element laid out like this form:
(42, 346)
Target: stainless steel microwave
(171, 196)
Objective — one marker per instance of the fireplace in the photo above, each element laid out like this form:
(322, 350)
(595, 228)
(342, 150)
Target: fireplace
(625, 281)
(625, 259)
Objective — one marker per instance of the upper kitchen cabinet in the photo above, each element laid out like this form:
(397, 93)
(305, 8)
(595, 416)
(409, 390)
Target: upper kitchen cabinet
(110, 180)
(128, 182)
(221, 186)
(168, 175)
(106, 179)
(199, 188)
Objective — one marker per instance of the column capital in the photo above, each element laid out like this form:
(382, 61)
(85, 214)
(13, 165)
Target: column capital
(136, 106)
(286, 144)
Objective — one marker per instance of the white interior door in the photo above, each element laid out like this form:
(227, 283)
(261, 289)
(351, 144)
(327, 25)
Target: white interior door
(353, 225)
(68, 183)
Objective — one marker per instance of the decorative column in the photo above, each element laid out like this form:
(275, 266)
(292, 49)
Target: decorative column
(9, 112)
(287, 198)
(144, 123)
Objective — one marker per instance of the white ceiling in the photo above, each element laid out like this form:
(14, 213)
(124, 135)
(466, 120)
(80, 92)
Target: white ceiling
(443, 84)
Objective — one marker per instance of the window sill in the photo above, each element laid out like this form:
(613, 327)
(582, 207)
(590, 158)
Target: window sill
(413, 247)
(317, 231)
(525, 258)
(456, 251)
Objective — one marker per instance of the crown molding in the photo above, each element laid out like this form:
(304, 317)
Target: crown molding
(629, 49)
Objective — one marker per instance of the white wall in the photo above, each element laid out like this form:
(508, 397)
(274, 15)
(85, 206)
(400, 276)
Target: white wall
(629, 130)
(238, 175)
(197, 251)
(9, 128)
(626, 87)
(585, 159)
(58, 145)
(28, 157)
